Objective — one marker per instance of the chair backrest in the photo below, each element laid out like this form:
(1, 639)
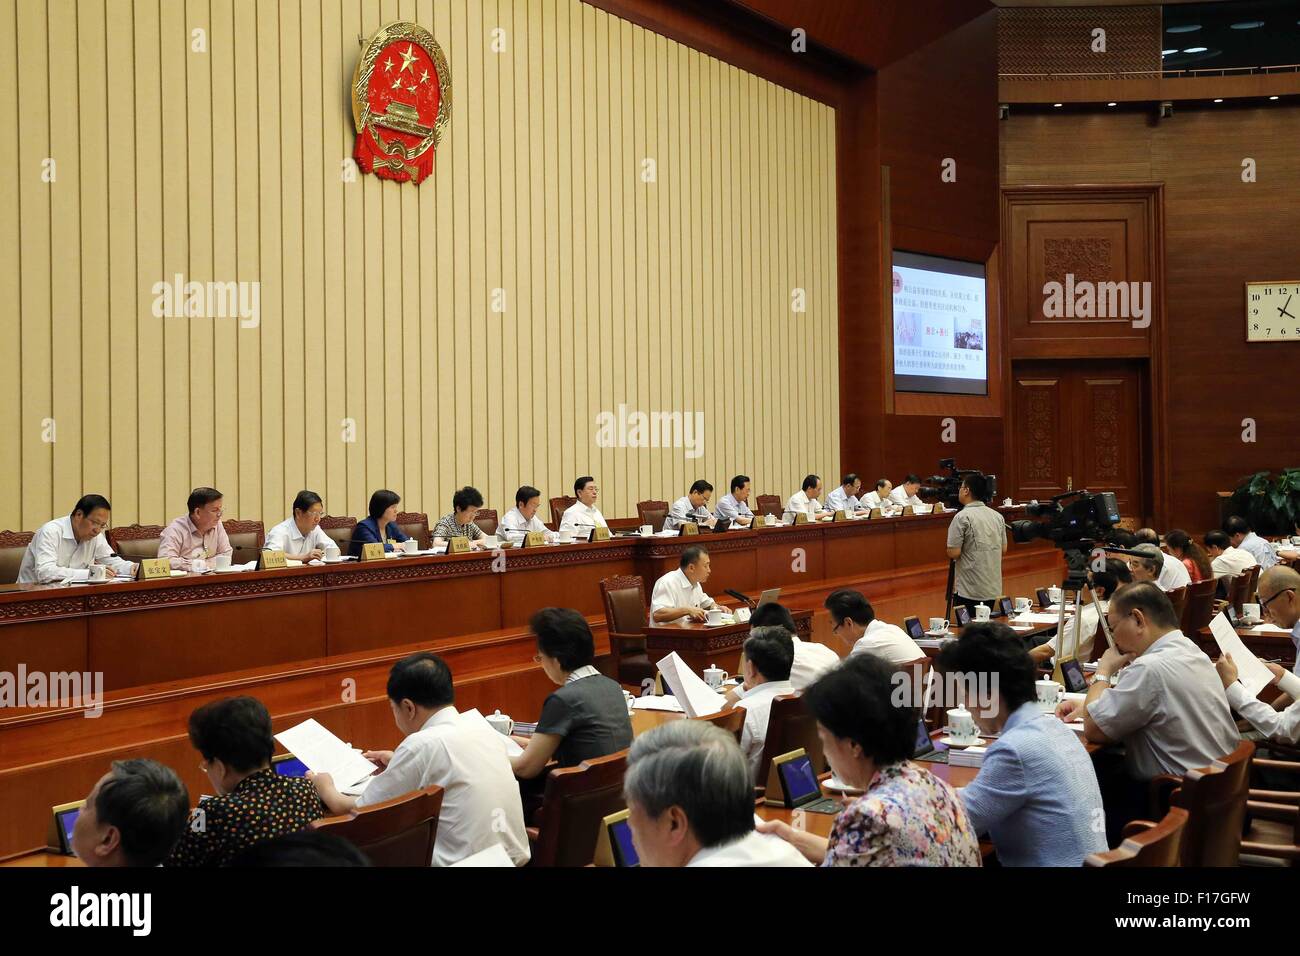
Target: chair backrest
(339, 529)
(575, 802)
(414, 524)
(398, 832)
(1198, 611)
(13, 545)
(559, 505)
(246, 539)
(769, 505)
(1238, 588)
(1252, 586)
(1152, 844)
(486, 519)
(135, 542)
(1178, 598)
(625, 607)
(652, 513)
(790, 727)
(731, 720)
(1215, 800)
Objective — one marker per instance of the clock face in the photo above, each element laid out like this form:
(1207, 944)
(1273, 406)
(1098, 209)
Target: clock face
(1273, 311)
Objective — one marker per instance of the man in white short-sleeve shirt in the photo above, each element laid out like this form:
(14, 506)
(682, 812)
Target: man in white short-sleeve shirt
(522, 518)
(805, 501)
(301, 537)
(65, 549)
(854, 623)
(583, 515)
(680, 594)
(1225, 560)
(481, 805)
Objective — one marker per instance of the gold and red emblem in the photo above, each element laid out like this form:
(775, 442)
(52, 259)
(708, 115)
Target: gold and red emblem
(401, 102)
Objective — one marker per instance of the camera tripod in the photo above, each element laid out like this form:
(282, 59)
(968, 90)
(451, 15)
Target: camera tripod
(1076, 582)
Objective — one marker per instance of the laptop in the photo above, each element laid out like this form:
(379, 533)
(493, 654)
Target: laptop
(925, 747)
(769, 596)
(620, 840)
(722, 525)
(962, 614)
(289, 766)
(799, 785)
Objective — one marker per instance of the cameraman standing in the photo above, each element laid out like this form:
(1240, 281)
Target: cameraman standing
(976, 539)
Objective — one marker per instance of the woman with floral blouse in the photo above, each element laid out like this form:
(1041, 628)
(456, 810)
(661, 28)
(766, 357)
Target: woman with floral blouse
(906, 816)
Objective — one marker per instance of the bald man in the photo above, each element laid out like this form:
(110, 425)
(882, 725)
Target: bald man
(1279, 595)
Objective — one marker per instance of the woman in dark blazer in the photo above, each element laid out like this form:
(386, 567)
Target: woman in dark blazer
(380, 525)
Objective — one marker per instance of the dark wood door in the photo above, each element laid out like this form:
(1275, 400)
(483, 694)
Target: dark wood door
(1079, 425)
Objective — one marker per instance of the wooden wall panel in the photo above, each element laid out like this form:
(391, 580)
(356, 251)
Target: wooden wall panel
(1220, 232)
(376, 299)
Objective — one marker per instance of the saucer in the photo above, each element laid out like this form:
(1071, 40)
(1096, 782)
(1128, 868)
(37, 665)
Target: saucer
(938, 633)
(960, 744)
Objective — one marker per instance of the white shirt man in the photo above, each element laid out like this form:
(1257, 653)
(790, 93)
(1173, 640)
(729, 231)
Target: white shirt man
(811, 661)
(1259, 549)
(879, 496)
(905, 494)
(842, 498)
(287, 537)
(480, 804)
(683, 511)
(674, 589)
(806, 501)
(516, 525)
(887, 641)
(753, 849)
(1173, 573)
(582, 517)
(1088, 631)
(758, 707)
(1231, 562)
(1282, 726)
(55, 555)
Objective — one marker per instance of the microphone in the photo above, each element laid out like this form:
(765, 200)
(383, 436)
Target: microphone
(749, 602)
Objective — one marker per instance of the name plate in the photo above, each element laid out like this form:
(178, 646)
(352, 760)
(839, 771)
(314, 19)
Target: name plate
(374, 551)
(457, 544)
(907, 510)
(599, 534)
(689, 528)
(875, 513)
(762, 521)
(534, 539)
(151, 569)
(800, 517)
(839, 516)
(269, 560)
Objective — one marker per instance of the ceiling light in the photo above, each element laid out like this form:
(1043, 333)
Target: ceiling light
(1185, 28)
(1168, 52)
(1058, 105)
(1110, 104)
(1219, 100)
(1248, 25)
(1272, 97)
(1196, 49)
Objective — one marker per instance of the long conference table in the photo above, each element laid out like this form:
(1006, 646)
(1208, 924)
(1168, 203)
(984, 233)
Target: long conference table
(319, 641)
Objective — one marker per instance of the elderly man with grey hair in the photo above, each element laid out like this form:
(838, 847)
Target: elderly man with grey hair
(690, 801)
(1170, 572)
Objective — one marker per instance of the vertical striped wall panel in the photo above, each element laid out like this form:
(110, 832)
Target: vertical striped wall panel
(644, 212)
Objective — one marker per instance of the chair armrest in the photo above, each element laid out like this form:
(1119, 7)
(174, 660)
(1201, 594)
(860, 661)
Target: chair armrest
(534, 834)
(1134, 827)
(1277, 812)
(1275, 850)
(622, 636)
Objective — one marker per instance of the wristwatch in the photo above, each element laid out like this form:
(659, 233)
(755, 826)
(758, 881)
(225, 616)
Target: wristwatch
(1104, 677)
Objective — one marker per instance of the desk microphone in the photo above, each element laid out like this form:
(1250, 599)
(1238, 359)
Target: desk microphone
(749, 602)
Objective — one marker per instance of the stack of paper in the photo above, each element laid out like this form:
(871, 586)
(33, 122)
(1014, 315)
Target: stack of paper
(966, 757)
(651, 702)
(495, 855)
(697, 698)
(322, 752)
(1038, 617)
(1267, 629)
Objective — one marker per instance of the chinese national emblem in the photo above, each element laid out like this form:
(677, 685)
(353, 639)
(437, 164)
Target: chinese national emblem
(401, 102)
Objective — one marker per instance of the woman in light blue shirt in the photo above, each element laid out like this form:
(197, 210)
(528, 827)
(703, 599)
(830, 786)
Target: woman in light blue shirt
(1036, 794)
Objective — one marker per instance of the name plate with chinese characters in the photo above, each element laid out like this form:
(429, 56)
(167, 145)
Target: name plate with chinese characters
(151, 569)
(270, 560)
(839, 516)
(534, 539)
(800, 517)
(457, 544)
(374, 551)
(599, 534)
(690, 527)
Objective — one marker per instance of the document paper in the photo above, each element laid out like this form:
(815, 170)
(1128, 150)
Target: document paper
(1253, 675)
(322, 752)
(697, 698)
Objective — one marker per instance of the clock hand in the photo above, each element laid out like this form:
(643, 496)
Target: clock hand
(1282, 308)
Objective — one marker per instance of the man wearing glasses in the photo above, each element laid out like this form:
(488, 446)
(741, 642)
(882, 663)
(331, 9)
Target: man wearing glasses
(65, 549)
(1280, 601)
(195, 539)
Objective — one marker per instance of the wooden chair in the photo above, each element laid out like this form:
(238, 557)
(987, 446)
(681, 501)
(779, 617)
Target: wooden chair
(731, 720)
(1178, 598)
(246, 539)
(135, 542)
(1239, 588)
(769, 505)
(625, 618)
(487, 521)
(13, 547)
(1146, 843)
(790, 727)
(1278, 806)
(652, 513)
(1215, 800)
(1198, 610)
(339, 530)
(398, 832)
(1252, 586)
(575, 802)
(414, 524)
(559, 505)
